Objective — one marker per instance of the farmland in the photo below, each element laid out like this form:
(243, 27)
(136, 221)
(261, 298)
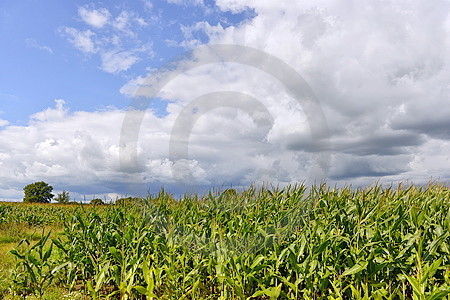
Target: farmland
(261, 243)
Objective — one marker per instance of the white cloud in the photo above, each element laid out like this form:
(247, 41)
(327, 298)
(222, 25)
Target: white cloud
(384, 91)
(80, 152)
(60, 147)
(234, 6)
(82, 40)
(189, 41)
(148, 4)
(94, 17)
(112, 37)
(117, 61)
(123, 20)
(200, 3)
(52, 114)
(141, 22)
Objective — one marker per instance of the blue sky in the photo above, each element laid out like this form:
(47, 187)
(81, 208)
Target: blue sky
(378, 71)
(39, 64)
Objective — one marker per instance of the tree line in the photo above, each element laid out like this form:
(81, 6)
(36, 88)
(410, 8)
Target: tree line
(41, 192)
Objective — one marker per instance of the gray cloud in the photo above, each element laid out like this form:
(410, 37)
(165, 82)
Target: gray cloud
(380, 144)
(346, 167)
(436, 128)
(430, 117)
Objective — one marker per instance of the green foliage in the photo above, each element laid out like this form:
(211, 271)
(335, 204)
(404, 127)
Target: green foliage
(63, 198)
(97, 201)
(38, 192)
(290, 243)
(35, 269)
(4, 212)
(129, 201)
(37, 214)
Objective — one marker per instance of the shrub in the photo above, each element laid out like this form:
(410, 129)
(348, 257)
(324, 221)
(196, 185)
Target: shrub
(97, 201)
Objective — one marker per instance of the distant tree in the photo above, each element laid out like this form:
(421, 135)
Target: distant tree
(40, 192)
(63, 198)
(97, 201)
(129, 201)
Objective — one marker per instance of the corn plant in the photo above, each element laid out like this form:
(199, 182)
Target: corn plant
(295, 242)
(35, 269)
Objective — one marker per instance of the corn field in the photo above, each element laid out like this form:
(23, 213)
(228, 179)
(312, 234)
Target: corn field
(261, 243)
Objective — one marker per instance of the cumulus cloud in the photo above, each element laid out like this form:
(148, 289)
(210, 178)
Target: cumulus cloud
(57, 113)
(60, 147)
(94, 17)
(80, 152)
(383, 89)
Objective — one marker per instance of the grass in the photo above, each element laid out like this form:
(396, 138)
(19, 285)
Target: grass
(290, 243)
(15, 232)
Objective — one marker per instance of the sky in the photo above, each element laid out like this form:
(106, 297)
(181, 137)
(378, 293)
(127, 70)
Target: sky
(119, 98)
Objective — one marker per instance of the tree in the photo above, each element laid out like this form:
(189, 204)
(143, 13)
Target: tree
(129, 201)
(38, 192)
(63, 198)
(97, 201)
